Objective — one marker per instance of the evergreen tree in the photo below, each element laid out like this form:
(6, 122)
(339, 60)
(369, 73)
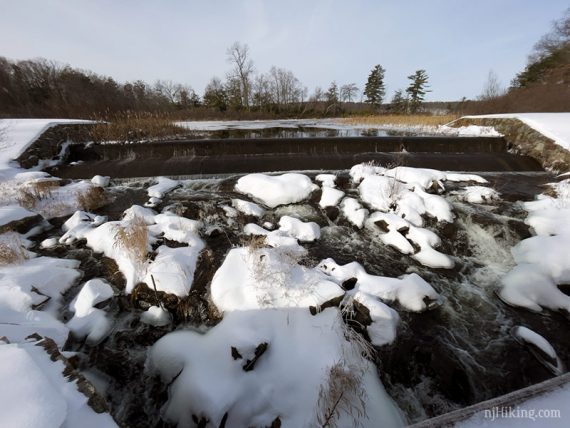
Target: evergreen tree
(399, 103)
(374, 90)
(417, 90)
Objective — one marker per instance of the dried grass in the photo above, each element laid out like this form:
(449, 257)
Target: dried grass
(31, 192)
(134, 126)
(133, 239)
(94, 197)
(393, 119)
(11, 249)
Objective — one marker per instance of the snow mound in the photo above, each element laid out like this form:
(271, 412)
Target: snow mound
(330, 197)
(39, 395)
(173, 268)
(410, 291)
(276, 239)
(255, 278)
(303, 231)
(326, 180)
(385, 320)
(253, 368)
(163, 185)
(11, 213)
(543, 260)
(478, 195)
(277, 190)
(100, 181)
(156, 316)
(248, 208)
(36, 282)
(88, 321)
(354, 212)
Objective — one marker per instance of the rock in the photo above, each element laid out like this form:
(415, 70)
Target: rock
(332, 213)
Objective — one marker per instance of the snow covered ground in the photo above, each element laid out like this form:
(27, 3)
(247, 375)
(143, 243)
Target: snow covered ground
(16, 135)
(555, 126)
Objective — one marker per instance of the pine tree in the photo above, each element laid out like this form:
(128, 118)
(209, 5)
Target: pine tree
(399, 103)
(374, 90)
(417, 90)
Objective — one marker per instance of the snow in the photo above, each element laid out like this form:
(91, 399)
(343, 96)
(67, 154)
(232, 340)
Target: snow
(276, 239)
(268, 278)
(12, 213)
(385, 320)
(156, 316)
(529, 336)
(18, 134)
(303, 231)
(173, 268)
(36, 394)
(286, 380)
(330, 197)
(543, 261)
(276, 190)
(326, 180)
(163, 185)
(526, 414)
(354, 212)
(248, 208)
(478, 195)
(88, 321)
(35, 281)
(100, 181)
(410, 291)
(555, 126)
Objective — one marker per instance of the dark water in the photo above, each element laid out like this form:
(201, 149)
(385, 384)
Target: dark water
(297, 132)
(458, 354)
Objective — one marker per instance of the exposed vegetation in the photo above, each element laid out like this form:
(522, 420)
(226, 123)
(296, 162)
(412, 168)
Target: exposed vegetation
(133, 239)
(94, 197)
(395, 119)
(11, 249)
(132, 126)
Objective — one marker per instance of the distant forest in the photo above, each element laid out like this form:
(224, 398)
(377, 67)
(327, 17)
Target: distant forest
(43, 88)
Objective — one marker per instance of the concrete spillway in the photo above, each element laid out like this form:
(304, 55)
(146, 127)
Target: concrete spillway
(222, 156)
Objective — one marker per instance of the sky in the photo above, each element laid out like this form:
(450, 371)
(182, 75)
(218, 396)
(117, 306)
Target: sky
(456, 41)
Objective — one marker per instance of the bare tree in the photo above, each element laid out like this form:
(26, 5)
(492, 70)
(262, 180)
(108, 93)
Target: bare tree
(348, 92)
(492, 88)
(238, 55)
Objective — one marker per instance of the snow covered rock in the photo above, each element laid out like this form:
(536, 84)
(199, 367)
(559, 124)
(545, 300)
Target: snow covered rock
(248, 208)
(354, 212)
(540, 347)
(330, 197)
(411, 291)
(276, 190)
(100, 181)
(478, 195)
(156, 316)
(303, 231)
(163, 186)
(326, 180)
(89, 321)
(268, 278)
(305, 356)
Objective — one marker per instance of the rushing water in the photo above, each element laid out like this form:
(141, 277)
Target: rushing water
(455, 355)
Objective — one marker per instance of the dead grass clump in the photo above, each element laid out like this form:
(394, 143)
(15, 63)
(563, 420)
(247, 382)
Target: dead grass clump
(94, 197)
(11, 249)
(254, 243)
(134, 126)
(31, 192)
(134, 239)
(393, 119)
(342, 393)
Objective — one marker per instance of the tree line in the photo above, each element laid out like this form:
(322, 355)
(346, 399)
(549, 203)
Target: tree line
(39, 87)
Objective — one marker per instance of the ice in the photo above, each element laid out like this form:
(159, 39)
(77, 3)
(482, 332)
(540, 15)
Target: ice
(303, 231)
(330, 197)
(88, 321)
(276, 190)
(285, 382)
(248, 208)
(411, 291)
(254, 278)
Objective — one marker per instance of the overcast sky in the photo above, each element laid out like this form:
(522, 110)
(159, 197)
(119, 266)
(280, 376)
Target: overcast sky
(456, 41)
